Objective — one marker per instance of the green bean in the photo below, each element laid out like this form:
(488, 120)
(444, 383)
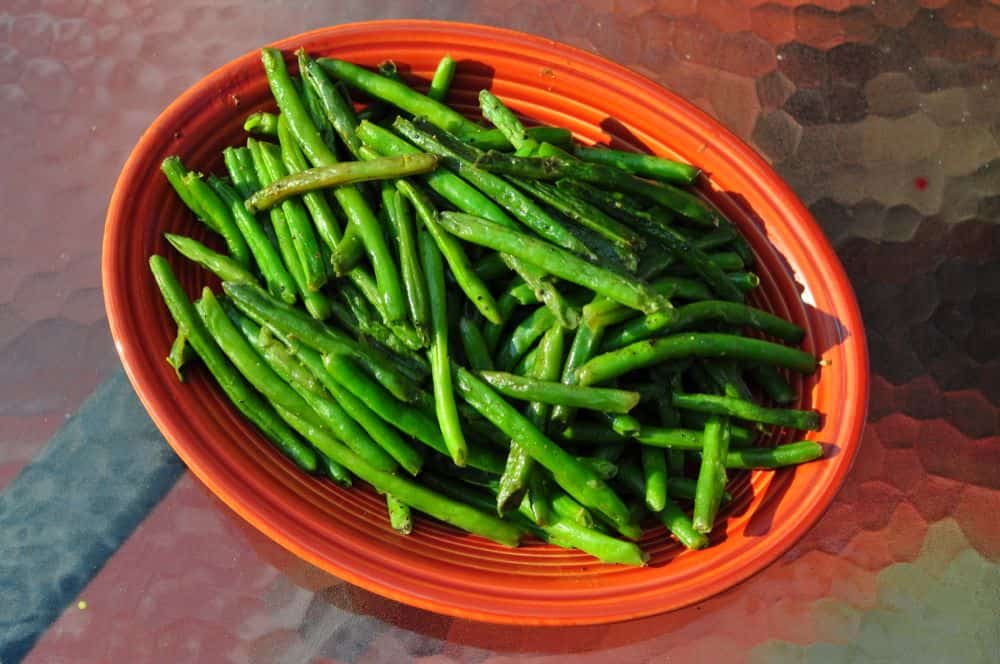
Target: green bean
(554, 260)
(239, 165)
(530, 389)
(493, 139)
(317, 304)
(623, 425)
(416, 496)
(696, 313)
(506, 304)
(775, 386)
(223, 267)
(180, 353)
(337, 110)
(608, 312)
(586, 341)
(349, 251)
(747, 410)
(647, 353)
(261, 123)
(240, 393)
(369, 325)
(789, 454)
(654, 470)
(668, 437)
(520, 472)
(294, 110)
(640, 164)
(351, 201)
(477, 355)
(690, 439)
(278, 280)
(400, 518)
(491, 268)
(555, 167)
(295, 162)
(672, 517)
(467, 198)
(380, 431)
(222, 219)
(454, 254)
(289, 379)
(575, 478)
(582, 213)
(712, 474)
(424, 136)
(441, 81)
(407, 418)
(401, 218)
(670, 417)
(300, 225)
(336, 175)
(176, 173)
(334, 471)
(685, 487)
(729, 377)
(523, 337)
(287, 321)
(400, 95)
(444, 397)
(502, 118)
(727, 261)
(565, 507)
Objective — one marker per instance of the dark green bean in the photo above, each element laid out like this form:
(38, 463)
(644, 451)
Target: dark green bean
(477, 355)
(777, 388)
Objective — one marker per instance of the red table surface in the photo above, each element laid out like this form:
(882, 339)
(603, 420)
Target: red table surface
(885, 119)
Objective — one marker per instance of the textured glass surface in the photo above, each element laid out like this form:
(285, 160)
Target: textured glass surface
(884, 117)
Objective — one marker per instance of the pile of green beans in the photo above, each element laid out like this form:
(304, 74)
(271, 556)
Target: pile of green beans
(496, 327)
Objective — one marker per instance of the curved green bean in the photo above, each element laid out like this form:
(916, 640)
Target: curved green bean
(261, 123)
(702, 344)
(335, 175)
